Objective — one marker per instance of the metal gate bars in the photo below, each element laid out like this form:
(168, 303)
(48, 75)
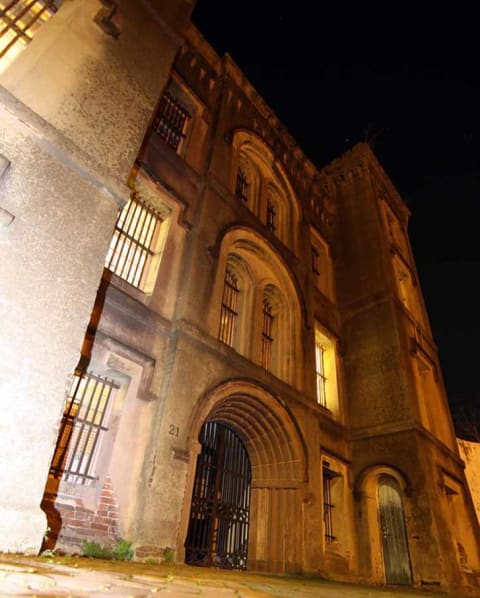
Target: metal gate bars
(218, 529)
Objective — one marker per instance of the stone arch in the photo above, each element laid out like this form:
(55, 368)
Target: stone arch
(278, 459)
(253, 155)
(265, 267)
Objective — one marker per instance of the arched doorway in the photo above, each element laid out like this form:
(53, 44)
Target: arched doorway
(219, 515)
(392, 528)
(277, 456)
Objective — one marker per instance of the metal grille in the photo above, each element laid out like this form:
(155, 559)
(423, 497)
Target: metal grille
(131, 247)
(83, 422)
(320, 374)
(241, 187)
(228, 313)
(171, 121)
(19, 20)
(267, 338)
(218, 529)
(271, 216)
(328, 475)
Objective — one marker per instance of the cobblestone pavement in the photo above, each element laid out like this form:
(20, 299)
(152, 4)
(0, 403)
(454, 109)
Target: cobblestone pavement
(79, 577)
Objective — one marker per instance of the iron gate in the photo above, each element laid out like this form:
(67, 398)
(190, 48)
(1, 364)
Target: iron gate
(218, 529)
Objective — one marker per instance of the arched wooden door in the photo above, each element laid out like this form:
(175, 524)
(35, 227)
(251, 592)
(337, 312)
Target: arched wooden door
(218, 527)
(392, 528)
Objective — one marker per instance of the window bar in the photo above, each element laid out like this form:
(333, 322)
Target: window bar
(271, 216)
(241, 187)
(119, 227)
(81, 417)
(170, 121)
(267, 338)
(100, 427)
(132, 240)
(70, 470)
(328, 505)
(137, 234)
(321, 378)
(11, 24)
(228, 311)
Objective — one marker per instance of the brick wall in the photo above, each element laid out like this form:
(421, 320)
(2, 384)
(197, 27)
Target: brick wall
(71, 523)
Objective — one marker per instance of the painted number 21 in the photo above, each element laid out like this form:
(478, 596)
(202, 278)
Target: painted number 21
(173, 430)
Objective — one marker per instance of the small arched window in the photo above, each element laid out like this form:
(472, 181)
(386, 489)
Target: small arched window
(229, 313)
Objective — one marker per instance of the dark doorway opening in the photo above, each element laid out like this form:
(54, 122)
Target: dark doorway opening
(218, 529)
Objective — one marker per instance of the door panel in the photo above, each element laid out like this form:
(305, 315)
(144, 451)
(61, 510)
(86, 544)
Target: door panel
(394, 538)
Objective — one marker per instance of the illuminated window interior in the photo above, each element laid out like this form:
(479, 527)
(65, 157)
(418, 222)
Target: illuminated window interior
(267, 334)
(83, 424)
(229, 311)
(19, 20)
(326, 373)
(136, 243)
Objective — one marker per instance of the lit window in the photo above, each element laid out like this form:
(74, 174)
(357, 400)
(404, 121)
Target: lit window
(320, 373)
(326, 372)
(134, 240)
(19, 20)
(171, 122)
(228, 313)
(241, 186)
(327, 479)
(271, 216)
(267, 331)
(82, 427)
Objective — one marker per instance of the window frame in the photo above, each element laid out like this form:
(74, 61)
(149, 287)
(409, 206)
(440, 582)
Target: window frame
(143, 251)
(229, 310)
(172, 122)
(75, 455)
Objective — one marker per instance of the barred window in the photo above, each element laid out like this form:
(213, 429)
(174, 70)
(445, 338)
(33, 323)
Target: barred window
(228, 312)
(327, 478)
(83, 424)
(19, 20)
(267, 332)
(271, 216)
(320, 373)
(171, 122)
(133, 242)
(241, 186)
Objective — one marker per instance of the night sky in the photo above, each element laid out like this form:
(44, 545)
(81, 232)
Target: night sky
(409, 84)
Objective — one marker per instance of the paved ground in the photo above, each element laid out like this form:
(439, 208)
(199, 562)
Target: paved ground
(79, 577)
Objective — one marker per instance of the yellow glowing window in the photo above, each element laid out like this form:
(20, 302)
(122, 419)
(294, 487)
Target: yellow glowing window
(86, 412)
(326, 372)
(135, 237)
(19, 20)
(229, 312)
(320, 372)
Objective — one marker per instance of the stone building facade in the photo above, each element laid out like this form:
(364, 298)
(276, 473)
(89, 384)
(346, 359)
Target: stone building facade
(258, 385)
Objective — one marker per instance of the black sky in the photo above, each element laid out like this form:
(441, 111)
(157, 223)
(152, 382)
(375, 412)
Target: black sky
(409, 83)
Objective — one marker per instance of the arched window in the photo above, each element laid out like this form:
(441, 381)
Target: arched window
(229, 312)
(255, 306)
(259, 182)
